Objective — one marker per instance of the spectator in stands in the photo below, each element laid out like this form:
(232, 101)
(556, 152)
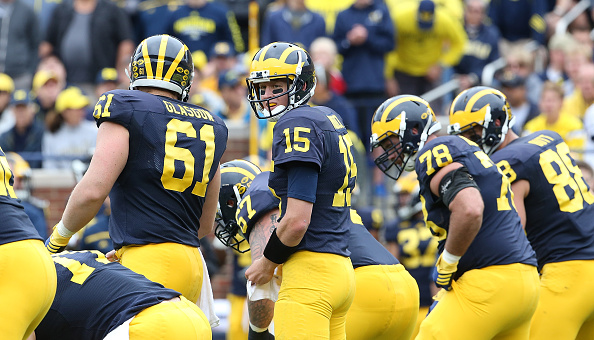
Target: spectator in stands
(482, 47)
(575, 58)
(589, 127)
(200, 24)
(328, 10)
(324, 53)
(514, 88)
(222, 58)
(26, 135)
(43, 10)
(583, 94)
(107, 79)
(69, 134)
(87, 36)
(199, 94)
(237, 112)
(323, 96)
(46, 88)
(520, 61)
(364, 34)
(153, 17)
(293, 23)
(6, 89)
(19, 39)
(422, 27)
(552, 118)
(587, 173)
(519, 21)
(34, 207)
(555, 69)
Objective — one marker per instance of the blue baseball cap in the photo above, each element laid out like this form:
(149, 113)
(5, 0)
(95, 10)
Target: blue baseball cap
(222, 49)
(21, 97)
(426, 14)
(107, 74)
(228, 78)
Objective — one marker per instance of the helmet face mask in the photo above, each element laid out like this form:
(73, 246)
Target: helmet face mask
(164, 62)
(280, 61)
(236, 177)
(394, 166)
(483, 115)
(401, 126)
(227, 230)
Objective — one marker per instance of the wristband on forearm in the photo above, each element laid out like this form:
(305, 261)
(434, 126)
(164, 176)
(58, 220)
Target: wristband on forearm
(276, 251)
(63, 231)
(59, 238)
(450, 258)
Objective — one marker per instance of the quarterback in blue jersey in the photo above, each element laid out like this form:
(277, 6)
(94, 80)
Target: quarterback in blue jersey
(554, 203)
(158, 159)
(313, 175)
(96, 297)
(27, 277)
(486, 263)
(386, 300)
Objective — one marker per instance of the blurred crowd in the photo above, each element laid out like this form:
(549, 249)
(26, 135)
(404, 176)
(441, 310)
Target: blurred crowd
(57, 58)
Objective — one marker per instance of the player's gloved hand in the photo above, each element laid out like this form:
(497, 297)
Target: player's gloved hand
(59, 238)
(445, 269)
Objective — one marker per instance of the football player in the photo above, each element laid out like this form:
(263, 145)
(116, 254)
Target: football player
(386, 300)
(96, 297)
(554, 203)
(411, 242)
(159, 156)
(313, 175)
(236, 177)
(486, 264)
(27, 276)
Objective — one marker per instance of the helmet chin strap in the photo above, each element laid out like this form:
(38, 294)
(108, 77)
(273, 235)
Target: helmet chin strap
(410, 162)
(427, 130)
(126, 70)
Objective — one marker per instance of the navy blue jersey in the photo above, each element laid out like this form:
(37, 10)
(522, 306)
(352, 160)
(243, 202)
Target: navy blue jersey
(94, 296)
(95, 236)
(257, 201)
(559, 210)
(501, 239)
(174, 152)
(201, 28)
(317, 136)
(481, 49)
(417, 250)
(366, 250)
(16, 225)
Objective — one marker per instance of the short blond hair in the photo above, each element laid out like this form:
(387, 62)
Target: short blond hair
(554, 87)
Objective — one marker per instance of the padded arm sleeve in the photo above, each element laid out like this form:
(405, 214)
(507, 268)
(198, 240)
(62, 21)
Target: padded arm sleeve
(453, 182)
